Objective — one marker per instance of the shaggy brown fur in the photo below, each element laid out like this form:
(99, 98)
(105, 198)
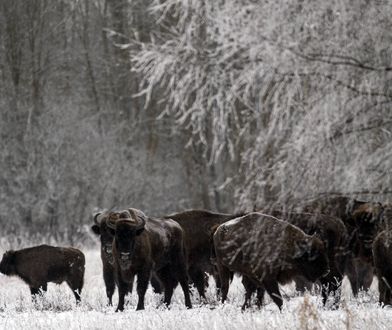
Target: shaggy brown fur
(362, 220)
(333, 233)
(42, 264)
(106, 237)
(267, 251)
(382, 255)
(197, 225)
(143, 245)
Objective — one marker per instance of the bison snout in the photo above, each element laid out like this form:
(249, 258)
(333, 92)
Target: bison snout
(368, 243)
(326, 273)
(125, 255)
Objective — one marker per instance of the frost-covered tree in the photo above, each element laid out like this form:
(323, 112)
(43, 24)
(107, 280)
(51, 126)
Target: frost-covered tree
(72, 137)
(296, 93)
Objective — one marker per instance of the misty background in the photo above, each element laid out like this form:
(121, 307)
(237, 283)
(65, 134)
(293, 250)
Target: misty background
(166, 105)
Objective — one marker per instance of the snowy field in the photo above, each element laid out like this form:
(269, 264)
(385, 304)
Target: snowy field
(57, 310)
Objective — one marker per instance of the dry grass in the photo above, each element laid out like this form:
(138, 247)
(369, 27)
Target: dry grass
(57, 309)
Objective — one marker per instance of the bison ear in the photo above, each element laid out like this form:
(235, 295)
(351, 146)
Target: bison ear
(96, 230)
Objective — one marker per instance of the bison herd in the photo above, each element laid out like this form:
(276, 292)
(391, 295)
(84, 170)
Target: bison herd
(320, 241)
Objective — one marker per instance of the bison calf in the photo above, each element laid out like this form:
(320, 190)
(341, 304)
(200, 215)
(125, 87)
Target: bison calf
(42, 264)
(267, 251)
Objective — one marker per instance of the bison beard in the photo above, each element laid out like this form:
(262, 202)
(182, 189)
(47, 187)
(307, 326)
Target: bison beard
(143, 245)
(42, 264)
(267, 251)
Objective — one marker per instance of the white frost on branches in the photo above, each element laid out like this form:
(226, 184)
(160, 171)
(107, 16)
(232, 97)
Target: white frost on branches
(298, 90)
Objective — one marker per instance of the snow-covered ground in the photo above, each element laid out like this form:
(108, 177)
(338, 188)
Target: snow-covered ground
(57, 310)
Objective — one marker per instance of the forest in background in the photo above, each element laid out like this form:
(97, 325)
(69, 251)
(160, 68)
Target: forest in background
(166, 105)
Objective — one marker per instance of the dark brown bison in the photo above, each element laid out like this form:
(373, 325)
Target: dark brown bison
(333, 233)
(143, 245)
(106, 236)
(267, 251)
(197, 225)
(42, 264)
(382, 257)
(362, 220)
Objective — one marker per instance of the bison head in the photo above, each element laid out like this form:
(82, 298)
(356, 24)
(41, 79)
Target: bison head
(7, 264)
(127, 226)
(368, 219)
(105, 234)
(311, 258)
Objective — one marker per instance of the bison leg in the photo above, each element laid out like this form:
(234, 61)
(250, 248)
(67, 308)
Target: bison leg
(76, 287)
(388, 295)
(108, 278)
(34, 292)
(142, 284)
(224, 275)
(352, 275)
(385, 291)
(123, 288)
(197, 277)
(218, 282)
(77, 293)
(260, 296)
(185, 288)
(360, 275)
(273, 290)
(169, 288)
(331, 284)
(365, 275)
(382, 289)
(169, 283)
(156, 284)
(302, 284)
(122, 291)
(40, 290)
(182, 276)
(44, 287)
(250, 287)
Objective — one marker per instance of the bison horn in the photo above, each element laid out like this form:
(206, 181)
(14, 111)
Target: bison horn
(142, 223)
(96, 215)
(111, 223)
(138, 215)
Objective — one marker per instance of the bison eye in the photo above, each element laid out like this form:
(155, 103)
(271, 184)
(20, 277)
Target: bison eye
(313, 256)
